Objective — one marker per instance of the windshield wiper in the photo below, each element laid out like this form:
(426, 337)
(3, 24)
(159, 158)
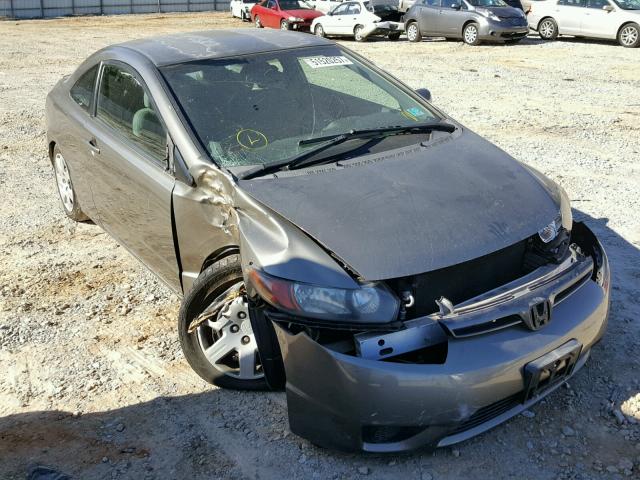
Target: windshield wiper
(301, 160)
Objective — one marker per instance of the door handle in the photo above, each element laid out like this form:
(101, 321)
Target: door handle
(93, 147)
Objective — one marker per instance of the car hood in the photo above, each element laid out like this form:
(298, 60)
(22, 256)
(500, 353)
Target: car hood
(306, 14)
(505, 12)
(413, 209)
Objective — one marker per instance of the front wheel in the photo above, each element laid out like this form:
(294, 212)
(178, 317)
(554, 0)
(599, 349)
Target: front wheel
(548, 29)
(470, 34)
(319, 31)
(358, 33)
(284, 25)
(394, 36)
(413, 32)
(257, 22)
(629, 35)
(215, 329)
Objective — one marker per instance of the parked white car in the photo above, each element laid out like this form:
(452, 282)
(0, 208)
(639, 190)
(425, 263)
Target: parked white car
(612, 19)
(357, 19)
(241, 9)
(325, 6)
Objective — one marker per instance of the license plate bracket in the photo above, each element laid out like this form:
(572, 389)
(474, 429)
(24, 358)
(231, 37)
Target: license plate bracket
(551, 369)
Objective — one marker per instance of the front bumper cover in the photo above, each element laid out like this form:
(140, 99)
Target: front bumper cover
(382, 28)
(501, 31)
(351, 403)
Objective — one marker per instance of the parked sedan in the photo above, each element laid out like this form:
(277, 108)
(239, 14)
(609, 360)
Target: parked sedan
(615, 19)
(358, 19)
(471, 20)
(331, 233)
(284, 14)
(241, 9)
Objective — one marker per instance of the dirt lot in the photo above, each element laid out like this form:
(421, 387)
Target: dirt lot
(92, 379)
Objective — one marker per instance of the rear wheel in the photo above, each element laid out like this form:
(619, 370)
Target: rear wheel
(394, 36)
(629, 35)
(548, 29)
(257, 22)
(215, 329)
(319, 31)
(68, 196)
(358, 33)
(284, 25)
(413, 32)
(471, 34)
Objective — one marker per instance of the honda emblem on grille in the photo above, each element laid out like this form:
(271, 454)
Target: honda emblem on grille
(539, 315)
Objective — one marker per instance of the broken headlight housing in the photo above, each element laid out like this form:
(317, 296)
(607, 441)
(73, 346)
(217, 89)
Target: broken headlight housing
(370, 303)
(563, 219)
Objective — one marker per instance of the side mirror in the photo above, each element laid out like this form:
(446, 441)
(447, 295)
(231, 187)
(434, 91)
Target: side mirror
(608, 8)
(456, 6)
(424, 93)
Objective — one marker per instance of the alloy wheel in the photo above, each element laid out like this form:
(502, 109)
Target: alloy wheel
(63, 180)
(228, 341)
(547, 29)
(258, 23)
(629, 35)
(319, 31)
(412, 32)
(284, 25)
(357, 33)
(470, 34)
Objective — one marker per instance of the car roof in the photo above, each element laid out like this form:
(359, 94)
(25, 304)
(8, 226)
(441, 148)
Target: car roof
(189, 46)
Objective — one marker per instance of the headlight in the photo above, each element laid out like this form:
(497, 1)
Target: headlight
(550, 232)
(295, 19)
(370, 303)
(487, 13)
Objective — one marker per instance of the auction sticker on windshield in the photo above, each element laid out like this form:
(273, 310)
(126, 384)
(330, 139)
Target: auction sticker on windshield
(320, 62)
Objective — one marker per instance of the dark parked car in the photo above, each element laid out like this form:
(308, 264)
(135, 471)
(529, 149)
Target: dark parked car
(471, 20)
(331, 232)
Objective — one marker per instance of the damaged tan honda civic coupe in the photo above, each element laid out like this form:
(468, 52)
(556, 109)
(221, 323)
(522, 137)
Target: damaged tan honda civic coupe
(332, 233)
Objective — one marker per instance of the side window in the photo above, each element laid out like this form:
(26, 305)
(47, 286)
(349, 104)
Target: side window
(572, 3)
(124, 104)
(271, 4)
(354, 9)
(599, 4)
(341, 10)
(82, 91)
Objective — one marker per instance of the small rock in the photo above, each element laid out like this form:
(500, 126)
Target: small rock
(105, 459)
(620, 418)
(612, 469)
(530, 445)
(426, 476)
(302, 459)
(568, 431)
(455, 452)
(120, 427)
(625, 464)
(528, 414)
(392, 463)
(363, 470)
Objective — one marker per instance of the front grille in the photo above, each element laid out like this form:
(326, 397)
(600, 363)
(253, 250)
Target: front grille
(489, 412)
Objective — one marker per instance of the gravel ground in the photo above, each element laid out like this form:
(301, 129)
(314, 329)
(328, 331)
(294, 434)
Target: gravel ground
(93, 381)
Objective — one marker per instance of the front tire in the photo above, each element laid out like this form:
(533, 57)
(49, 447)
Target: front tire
(357, 33)
(257, 22)
(284, 25)
(319, 31)
(223, 349)
(629, 35)
(67, 193)
(471, 34)
(413, 32)
(548, 29)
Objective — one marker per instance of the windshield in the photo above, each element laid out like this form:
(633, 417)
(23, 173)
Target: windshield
(628, 4)
(293, 5)
(254, 109)
(487, 3)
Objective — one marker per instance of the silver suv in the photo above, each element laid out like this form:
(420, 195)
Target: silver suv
(471, 20)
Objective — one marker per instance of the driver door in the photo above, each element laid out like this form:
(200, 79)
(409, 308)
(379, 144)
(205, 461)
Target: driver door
(130, 181)
(451, 20)
(338, 21)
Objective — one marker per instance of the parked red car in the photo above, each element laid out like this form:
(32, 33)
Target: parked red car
(284, 14)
